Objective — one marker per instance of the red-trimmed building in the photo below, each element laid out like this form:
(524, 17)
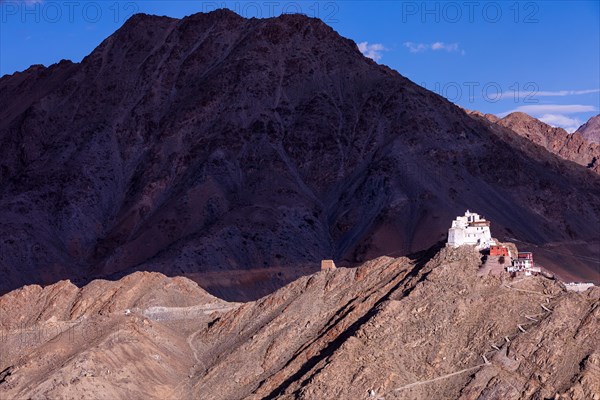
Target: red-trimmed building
(524, 259)
(499, 250)
(524, 263)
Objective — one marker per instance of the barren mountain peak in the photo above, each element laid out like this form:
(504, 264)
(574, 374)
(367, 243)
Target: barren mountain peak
(591, 130)
(519, 117)
(202, 147)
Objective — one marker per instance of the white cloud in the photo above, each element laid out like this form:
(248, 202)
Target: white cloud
(436, 46)
(540, 109)
(415, 47)
(372, 51)
(529, 92)
(561, 121)
(443, 46)
(567, 92)
(557, 115)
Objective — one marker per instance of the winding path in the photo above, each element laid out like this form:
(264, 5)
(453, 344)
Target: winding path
(462, 371)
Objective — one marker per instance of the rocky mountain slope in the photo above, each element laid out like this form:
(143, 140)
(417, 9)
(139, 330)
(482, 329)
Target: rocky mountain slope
(573, 147)
(590, 131)
(393, 328)
(240, 152)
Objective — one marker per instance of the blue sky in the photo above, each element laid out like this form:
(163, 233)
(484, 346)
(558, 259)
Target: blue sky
(540, 57)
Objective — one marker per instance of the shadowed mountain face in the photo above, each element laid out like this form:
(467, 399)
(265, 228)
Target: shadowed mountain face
(241, 152)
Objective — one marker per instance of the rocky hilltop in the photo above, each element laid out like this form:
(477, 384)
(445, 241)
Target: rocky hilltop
(575, 147)
(590, 131)
(240, 152)
(426, 327)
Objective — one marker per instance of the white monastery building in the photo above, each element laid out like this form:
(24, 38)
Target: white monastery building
(471, 229)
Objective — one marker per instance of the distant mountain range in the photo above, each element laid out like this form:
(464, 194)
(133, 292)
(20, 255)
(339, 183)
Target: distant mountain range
(578, 147)
(591, 130)
(240, 152)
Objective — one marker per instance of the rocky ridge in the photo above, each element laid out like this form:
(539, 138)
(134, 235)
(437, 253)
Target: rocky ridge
(590, 131)
(402, 328)
(575, 147)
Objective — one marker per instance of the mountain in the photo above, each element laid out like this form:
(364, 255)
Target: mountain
(478, 114)
(393, 328)
(591, 130)
(240, 152)
(573, 147)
